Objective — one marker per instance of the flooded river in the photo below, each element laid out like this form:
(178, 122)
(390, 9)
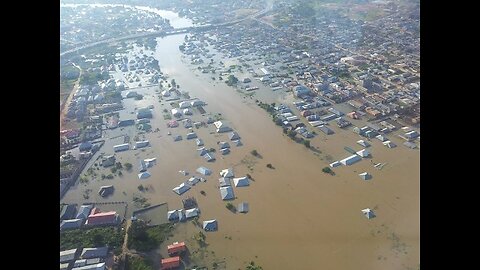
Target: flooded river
(300, 217)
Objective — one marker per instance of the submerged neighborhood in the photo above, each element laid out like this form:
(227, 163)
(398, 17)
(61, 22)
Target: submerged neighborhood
(191, 130)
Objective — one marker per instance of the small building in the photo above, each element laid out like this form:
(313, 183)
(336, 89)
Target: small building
(187, 111)
(144, 113)
(410, 145)
(144, 175)
(191, 135)
(237, 143)
(170, 263)
(184, 105)
(196, 103)
(365, 176)
(176, 112)
(71, 224)
(105, 218)
(243, 207)
(222, 127)
(191, 213)
(223, 182)
(149, 162)
(131, 94)
(233, 136)
(141, 144)
(84, 211)
(350, 160)
(202, 151)
(389, 144)
(363, 153)
(68, 255)
(381, 138)
(335, 164)
(227, 193)
(199, 142)
(228, 173)
(98, 266)
(328, 117)
(325, 129)
(223, 145)
(203, 170)
(121, 147)
(104, 191)
(68, 211)
(172, 215)
(108, 161)
(98, 252)
(241, 181)
(368, 213)
(176, 248)
(182, 188)
(193, 181)
(209, 157)
(363, 143)
(177, 138)
(210, 225)
(224, 151)
(85, 146)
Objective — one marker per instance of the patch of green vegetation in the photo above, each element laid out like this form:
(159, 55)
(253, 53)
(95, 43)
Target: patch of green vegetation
(144, 238)
(128, 166)
(252, 266)
(92, 77)
(138, 263)
(328, 170)
(93, 237)
(254, 153)
(230, 206)
(231, 80)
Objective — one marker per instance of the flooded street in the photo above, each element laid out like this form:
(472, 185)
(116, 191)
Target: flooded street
(300, 217)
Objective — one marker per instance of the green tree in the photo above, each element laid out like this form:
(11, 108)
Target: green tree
(128, 166)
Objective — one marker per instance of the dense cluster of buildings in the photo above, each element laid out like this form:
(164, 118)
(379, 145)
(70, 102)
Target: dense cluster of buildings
(84, 259)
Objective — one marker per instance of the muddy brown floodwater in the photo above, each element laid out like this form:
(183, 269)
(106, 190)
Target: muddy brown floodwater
(300, 218)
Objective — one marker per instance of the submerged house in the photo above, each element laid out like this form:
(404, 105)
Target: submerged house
(243, 207)
(203, 170)
(241, 181)
(227, 193)
(350, 160)
(365, 176)
(368, 213)
(182, 188)
(222, 127)
(210, 225)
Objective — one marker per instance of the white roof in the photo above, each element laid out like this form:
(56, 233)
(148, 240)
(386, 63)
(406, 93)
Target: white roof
(350, 160)
(363, 153)
(182, 188)
(363, 143)
(210, 224)
(191, 212)
(144, 175)
(204, 171)
(241, 181)
(368, 213)
(365, 176)
(226, 193)
(227, 173)
(184, 104)
(193, 180)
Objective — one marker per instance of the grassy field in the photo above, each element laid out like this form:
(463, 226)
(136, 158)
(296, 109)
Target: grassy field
(93, 237)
